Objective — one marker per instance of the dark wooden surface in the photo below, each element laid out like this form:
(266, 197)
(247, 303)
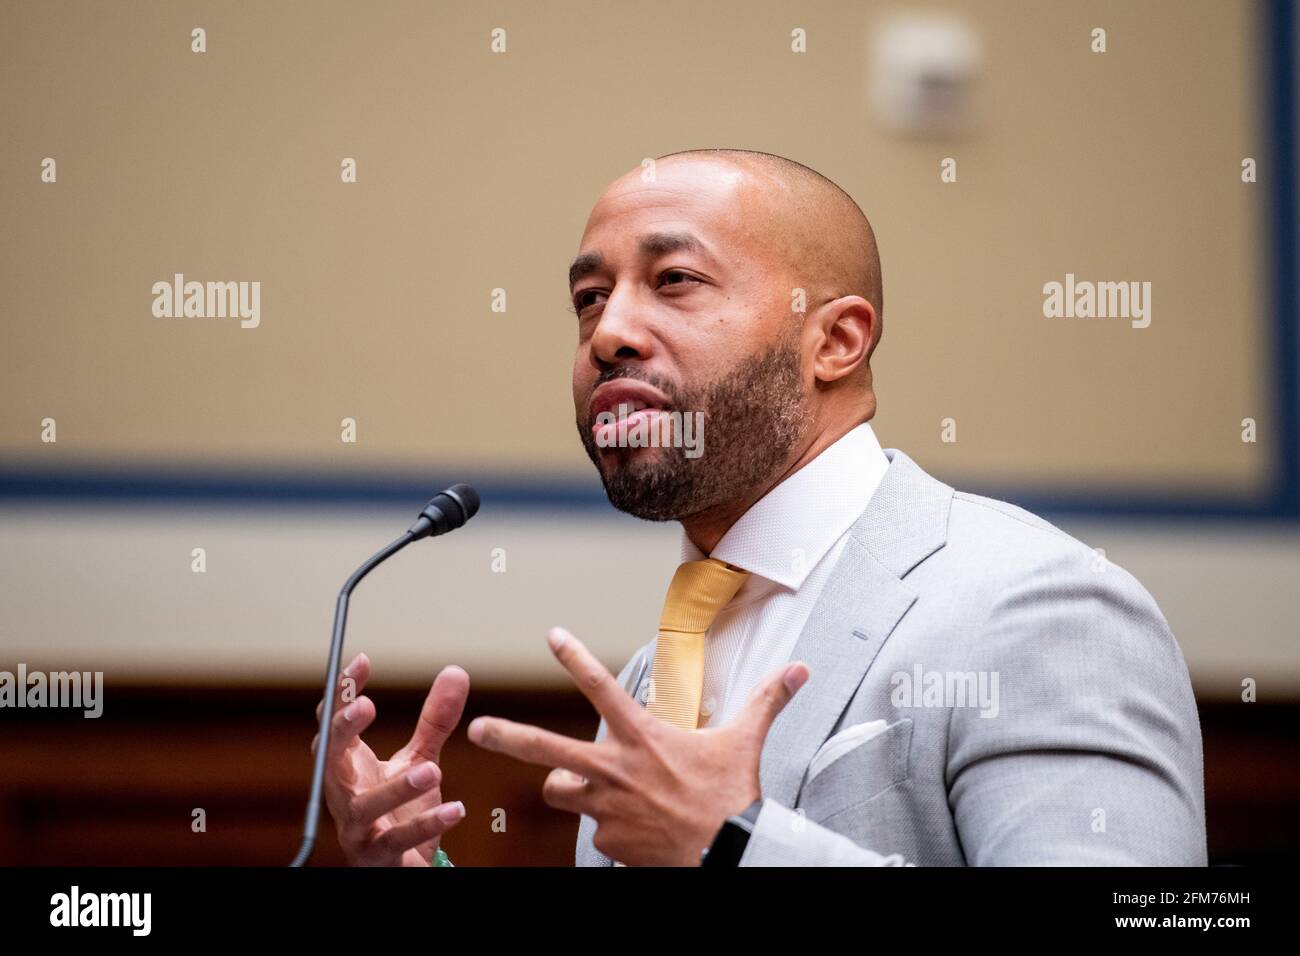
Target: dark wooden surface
(121, 789)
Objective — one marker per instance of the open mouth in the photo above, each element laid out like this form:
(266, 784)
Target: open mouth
(623, 405)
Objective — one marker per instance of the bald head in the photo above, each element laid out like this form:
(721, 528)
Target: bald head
(819, 226)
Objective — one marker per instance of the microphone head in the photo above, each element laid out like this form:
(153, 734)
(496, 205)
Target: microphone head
(467, 497)
(446, 511)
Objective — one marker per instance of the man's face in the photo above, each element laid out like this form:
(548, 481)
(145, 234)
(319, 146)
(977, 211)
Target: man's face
(683, 300)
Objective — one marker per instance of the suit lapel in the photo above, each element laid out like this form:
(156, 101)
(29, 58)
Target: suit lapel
(857, 610)
(860, 605)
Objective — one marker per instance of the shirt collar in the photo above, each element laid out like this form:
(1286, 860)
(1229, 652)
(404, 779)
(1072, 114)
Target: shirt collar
(784, 535)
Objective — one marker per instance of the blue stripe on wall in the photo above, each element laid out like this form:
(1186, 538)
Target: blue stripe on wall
(283, 489)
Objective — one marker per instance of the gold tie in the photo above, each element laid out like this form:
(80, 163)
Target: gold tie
(699, 590)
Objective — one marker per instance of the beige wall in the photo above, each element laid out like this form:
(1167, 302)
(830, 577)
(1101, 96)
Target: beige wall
(477, 171)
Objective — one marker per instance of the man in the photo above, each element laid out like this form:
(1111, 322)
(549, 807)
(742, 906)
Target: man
(855, 663)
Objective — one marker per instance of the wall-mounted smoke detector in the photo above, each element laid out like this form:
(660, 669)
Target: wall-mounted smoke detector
(922, 73)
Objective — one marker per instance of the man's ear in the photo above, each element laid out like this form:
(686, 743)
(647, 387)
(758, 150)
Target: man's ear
(847, 330)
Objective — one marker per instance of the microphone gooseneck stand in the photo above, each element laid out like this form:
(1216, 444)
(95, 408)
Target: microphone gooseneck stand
(446, 512)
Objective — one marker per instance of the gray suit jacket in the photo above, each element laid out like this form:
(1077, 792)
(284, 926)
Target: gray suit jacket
(1037, 707)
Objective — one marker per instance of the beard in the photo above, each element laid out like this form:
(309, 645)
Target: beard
(754, 414)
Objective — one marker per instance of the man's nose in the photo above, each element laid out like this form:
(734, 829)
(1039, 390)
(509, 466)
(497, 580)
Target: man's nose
(623, 332)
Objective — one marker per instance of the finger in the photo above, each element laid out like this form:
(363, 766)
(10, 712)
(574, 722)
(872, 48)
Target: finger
(440, 714)
(565, 790)
(369, 806)
(430, 825)
(427, 849)
(601, 687)
(771, 695)
(534, 745)
(351, 683)
(348, 724)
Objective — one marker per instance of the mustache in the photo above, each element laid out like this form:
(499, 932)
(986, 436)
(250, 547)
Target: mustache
(669, 388)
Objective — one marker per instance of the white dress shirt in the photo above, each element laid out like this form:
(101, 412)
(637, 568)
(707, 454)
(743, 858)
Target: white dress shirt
(788, 541)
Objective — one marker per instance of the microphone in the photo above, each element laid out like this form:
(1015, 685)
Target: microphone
(444, 512)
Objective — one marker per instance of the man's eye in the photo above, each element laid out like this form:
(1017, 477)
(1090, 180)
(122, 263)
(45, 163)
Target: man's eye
(585, 298)
(677, 277)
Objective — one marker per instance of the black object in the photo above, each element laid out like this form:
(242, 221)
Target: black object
(445, 512)
(732, 838)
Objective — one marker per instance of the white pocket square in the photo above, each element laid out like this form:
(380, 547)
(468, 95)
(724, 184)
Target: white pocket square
(841, 743)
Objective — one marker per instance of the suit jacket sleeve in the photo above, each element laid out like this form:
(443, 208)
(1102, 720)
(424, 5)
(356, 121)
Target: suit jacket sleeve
(1094, 756)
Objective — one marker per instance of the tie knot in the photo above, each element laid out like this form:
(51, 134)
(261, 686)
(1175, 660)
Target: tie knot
(699, 590)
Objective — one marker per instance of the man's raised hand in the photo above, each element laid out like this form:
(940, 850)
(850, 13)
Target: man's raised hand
(390, 812)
